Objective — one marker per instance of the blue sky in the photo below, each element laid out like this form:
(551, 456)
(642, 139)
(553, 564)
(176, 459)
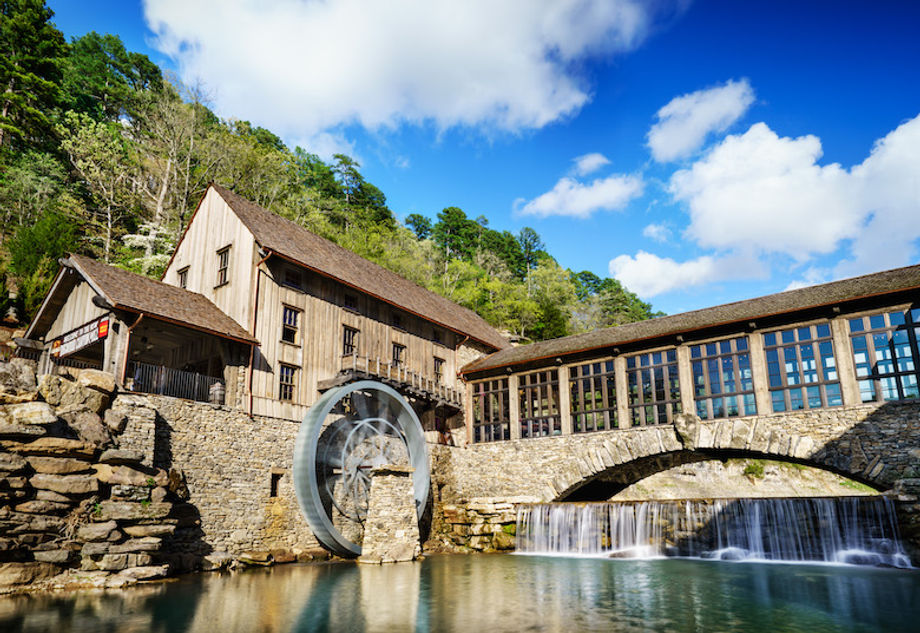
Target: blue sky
(729, 149)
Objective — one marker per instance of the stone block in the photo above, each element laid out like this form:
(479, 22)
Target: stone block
(143, 544)
(50, 495)
(27, 414)
(11, 463)
(256, 557)
(282, 556)
(121, 492)
(147, 572)
(43, 507)
(158, 494)
(155, 529)
(95, 548)
(55, 447)
(107, 531)
(51, 388)
(58, 465)
(75, 395)
(127, 511)
(99, 380)
(55, 556)
(128, 476)
(87, 425)
(65, 484)
(121, 456)
(17, 376)
(115, 421)
(503, 541)
(481, 543)
(215, 561)
(113, 562)
(12, 574)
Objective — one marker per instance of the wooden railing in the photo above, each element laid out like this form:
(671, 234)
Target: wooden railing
(387, 371)
(165, 381)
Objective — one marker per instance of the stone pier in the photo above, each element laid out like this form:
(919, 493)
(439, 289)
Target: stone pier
(391, 529)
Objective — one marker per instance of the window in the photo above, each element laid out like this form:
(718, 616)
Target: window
(723, 383)
(653, 388)
(223, 265)
(438, 369)
(593, 397)
(801, 368)
(349, 341)
(293, 278)
(289, 326)
(399, 355)
(539, 399)
(351, 303)
(885, 353)
(397, 321)
(275, 482)
(491, 411)
(183, 277)
(287, 380)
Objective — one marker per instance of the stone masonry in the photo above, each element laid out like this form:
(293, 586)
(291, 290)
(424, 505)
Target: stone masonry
(391, 530)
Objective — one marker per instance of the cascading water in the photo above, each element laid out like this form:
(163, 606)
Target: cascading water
(856, 530)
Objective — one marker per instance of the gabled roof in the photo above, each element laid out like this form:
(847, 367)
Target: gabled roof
(829, 294)
(129, 291)
(292, 241)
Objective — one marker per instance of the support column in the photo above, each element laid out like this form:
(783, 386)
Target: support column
(685, 378)
(619, 372)
(565, 401)
(514, 406)
(846, 368)
(468, 411)
(759, 374)
(391, 531)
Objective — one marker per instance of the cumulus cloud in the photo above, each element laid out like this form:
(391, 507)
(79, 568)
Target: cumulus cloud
(658, 232)
(648, 275)
(766, 196)
(302, 67)
(685, 122)
(589, 163)
(575, 199)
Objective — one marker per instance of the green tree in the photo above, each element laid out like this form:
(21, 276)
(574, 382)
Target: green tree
(50, 237)
(420, 225)
(28, 185)
(454, 234)
(30, 52)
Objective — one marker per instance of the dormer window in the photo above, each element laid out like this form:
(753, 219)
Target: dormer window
(182, 277)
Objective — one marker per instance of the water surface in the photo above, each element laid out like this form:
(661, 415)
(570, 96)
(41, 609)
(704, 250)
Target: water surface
(495, 593)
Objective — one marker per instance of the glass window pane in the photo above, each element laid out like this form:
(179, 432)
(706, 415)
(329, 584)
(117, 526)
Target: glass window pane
(769, 340)
(856, 325)
(877, 321)
(833, 395)
(823, 330)
(779, 401)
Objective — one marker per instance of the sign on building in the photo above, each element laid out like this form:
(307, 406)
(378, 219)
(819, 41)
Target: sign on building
(83, 336)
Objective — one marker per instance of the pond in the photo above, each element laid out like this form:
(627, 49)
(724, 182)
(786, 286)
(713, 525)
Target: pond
(494, 593)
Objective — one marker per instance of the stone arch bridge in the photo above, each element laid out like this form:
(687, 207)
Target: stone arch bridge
(878, 445)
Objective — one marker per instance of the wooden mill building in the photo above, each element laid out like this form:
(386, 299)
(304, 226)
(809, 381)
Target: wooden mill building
(273, 312)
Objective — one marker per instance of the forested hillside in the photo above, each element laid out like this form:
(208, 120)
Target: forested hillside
(102, 153)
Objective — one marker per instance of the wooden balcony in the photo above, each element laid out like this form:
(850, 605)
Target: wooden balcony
(401, 378)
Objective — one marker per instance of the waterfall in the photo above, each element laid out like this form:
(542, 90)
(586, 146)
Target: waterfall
(855, 530)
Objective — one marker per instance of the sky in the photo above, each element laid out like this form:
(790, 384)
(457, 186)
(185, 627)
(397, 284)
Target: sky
(700, 152)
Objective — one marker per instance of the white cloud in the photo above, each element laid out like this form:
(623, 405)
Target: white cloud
(574, 199)
(589, 163)
(768, 193)
(658, 232)
(648, 275)
(302, 67)
(685, 122)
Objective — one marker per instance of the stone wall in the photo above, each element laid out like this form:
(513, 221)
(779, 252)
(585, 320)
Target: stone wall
(391, 529)
(230, 461)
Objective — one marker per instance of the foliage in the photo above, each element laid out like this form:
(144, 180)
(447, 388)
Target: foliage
(101, 153)
(754, 469)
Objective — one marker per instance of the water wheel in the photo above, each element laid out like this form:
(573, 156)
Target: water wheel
(348, 432)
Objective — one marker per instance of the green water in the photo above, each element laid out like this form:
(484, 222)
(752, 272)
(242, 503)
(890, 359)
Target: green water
(495, 594)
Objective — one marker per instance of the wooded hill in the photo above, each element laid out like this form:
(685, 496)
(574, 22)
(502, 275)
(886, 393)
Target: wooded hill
(102, 154)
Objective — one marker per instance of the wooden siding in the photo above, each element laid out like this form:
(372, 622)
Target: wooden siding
(78, 310)
(214, 227)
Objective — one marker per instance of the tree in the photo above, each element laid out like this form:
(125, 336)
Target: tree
(420, 225)
(27, 187)
(454, 234)
(30, 52)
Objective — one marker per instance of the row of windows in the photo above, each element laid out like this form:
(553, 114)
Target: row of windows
(801, 374)
(223, 270)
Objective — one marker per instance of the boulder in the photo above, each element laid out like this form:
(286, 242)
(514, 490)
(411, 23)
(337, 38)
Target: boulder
(254, 557)
(158, 494)
(113, 562)
(54, 447)
(11, 463)
(58, 465)
(502, 541)
(25, 573)
(50, 495)
(155, 529)
(150, 572)
(282, 555)
(55, 556)
(98, 380)
(215, 561)
(122, 492)
(91, 532)
(121, 456)
(115, 421)
(21, 430)
(127, 476)
(28, 413)
(127, 511)
(65, 484)
(76, 395)
(143, 544)
(87, 425)
(17, 376)
(52, 388)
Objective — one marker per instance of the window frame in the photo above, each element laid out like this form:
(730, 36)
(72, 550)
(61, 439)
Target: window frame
(353, 342)
(288, 327)
(182, 277)
(703, 395)
(778, 381)
(223, 266)
(399, 355)
(491, 415)
(287, 388)
(350, 302)
(639, 409)
(910, 324)
(593, 382)
(439, 369)
(545, 419)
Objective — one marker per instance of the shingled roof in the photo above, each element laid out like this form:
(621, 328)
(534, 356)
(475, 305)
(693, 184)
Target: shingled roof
(294, 242)
(829, 294)
(136, 293)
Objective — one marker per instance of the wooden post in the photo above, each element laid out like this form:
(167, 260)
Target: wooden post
(619, 370)
(565, 398)
(514, 406)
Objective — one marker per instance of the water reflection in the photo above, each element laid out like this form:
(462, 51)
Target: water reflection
(503, 593)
